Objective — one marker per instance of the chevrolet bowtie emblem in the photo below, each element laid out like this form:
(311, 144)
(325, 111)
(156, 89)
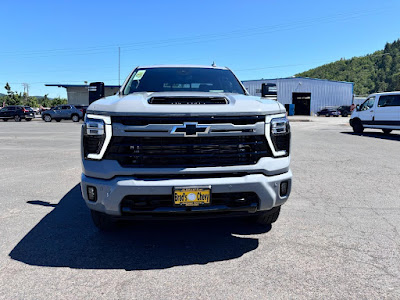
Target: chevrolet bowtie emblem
(190, 129)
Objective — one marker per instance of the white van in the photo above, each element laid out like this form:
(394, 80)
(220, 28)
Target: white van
(379, 111)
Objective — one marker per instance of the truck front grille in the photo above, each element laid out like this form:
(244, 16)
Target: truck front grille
(143, 121)
(187, 152)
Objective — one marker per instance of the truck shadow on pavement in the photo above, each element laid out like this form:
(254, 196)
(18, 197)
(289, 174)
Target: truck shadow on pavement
(377, 135)
(66, 237)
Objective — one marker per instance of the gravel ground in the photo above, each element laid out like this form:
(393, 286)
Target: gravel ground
(337, 236)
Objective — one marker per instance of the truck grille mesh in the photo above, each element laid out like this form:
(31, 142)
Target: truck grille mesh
(281, 142)
(170, 152)
(142, 121)
(92, 144)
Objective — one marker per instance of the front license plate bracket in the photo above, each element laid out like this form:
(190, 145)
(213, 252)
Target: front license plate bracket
(192, 196)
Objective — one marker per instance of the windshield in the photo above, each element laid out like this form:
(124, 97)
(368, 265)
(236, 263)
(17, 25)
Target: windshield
(183, 80)
(368, 103)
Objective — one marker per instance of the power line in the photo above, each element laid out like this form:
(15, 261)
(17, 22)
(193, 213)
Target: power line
(236, 70)
(304, 64)
(194, 39)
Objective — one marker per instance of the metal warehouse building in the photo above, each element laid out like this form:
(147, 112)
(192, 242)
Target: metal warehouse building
(79, 93)
(308, 95)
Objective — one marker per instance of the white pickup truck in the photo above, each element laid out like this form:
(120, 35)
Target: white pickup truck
(184, 142)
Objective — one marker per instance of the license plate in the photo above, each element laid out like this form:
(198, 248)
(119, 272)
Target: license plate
(192, 196)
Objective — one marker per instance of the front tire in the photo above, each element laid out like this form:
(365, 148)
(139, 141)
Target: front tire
(102, 221)
(357, 126)
(267, 217)
(47, 118)
(345, 114)
(5, 120)
(387, 131)
(17, 118)
(75, 118)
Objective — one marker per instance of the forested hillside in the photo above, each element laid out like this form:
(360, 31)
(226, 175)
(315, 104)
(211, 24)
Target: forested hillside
(376, 72)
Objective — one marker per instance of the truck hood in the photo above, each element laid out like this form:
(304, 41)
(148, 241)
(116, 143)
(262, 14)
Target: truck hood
(137, 104)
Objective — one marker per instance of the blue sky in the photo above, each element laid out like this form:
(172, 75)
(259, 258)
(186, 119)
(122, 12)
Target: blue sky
(76, 41)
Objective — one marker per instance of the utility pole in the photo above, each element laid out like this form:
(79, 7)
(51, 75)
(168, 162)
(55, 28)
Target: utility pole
(119, 66)
(26, 90)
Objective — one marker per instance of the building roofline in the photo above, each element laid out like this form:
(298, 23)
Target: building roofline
(298, 78)
(77, 85)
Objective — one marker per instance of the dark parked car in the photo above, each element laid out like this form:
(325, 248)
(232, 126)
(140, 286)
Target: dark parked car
(329, 111)
(62, 112)
(82, 108)
(17, 112)
(344, 110)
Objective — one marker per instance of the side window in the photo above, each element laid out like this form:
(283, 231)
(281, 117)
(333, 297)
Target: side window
(369, 103)
(389, 100)
(57, 108)
(65, 107)
(396, 101)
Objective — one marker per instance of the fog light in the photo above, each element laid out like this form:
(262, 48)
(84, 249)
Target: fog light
(92, 193)
(284, 188)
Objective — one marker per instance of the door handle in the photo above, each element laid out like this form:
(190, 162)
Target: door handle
(372, 111)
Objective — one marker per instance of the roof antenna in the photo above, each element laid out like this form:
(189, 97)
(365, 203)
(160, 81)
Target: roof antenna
(213, 64)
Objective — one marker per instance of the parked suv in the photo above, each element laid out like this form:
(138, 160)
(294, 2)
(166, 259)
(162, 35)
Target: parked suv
(185, 142)
(17, 112)
(344, 110)
(379, 111)
(82, 108)
(62, 112)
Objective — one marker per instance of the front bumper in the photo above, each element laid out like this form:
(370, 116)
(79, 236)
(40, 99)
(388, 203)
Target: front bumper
(111, 192)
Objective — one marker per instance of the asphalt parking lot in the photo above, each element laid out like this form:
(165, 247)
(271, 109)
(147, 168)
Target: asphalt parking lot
(337, 236)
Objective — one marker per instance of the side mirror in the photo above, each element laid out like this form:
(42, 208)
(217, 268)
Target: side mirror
(269, 90)
(96, 91)
(358, 107)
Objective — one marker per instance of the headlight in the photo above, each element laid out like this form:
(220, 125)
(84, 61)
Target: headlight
(96, 134)
(279, 135)
(280, 126)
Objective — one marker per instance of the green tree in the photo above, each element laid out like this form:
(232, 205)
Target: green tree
(396, 82)
(59, 101)
(370, 73)
(8, 88)
(32, 102)
(46, 102)
(15, 99)
(3, 100)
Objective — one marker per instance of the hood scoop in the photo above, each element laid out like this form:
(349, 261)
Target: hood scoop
(188, 100)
